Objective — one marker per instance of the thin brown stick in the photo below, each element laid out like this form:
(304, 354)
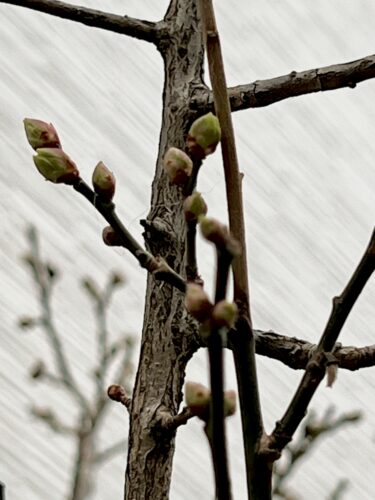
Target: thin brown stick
(242, 341)
(136, 28)
(315, 369)
(266, 92)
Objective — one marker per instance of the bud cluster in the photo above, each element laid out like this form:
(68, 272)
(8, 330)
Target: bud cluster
(198, 400)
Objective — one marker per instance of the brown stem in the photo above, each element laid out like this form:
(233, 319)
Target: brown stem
(315, 369)
(248, 388)
(136, 28)
(158, 267)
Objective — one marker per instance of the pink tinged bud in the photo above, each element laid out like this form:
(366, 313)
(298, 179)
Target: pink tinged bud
(56, 166)
(197, 398)
(197, 302)
(104, 181)
(41, 134)
(111, 238)
(212, 230)
(204, 135)
(194, 207)
(229, 403)
(225, 314)
(177, 165)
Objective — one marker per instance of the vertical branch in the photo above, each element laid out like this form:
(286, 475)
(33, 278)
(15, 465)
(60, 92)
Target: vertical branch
(242, 340)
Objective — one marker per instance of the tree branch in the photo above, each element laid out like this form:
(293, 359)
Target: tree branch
(296, 353)
(136, 28)
(265, 92)
(315, 368)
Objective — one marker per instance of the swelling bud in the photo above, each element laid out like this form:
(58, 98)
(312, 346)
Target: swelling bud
(197, 399)
(41, 134)
(103, 181)
(194, 207)
(177, 165)
(204, 135)
(197, 302)
(110, 237)
(56, 166)
(225, 314)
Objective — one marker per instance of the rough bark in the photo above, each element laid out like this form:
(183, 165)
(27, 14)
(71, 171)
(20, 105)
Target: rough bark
(169, 337)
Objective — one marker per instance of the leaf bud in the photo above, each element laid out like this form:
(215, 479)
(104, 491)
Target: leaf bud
(41, 134)
(103, 181)
(225, 314)
(204, 135)
(197, 398)
(197, 302)
(194, 207)
(56, 166)
(177, 165)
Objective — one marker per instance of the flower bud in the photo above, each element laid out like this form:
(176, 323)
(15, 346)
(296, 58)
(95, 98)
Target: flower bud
(197, 398)
(110, 237)
(229, 403)
(204, 135)
(214, 231)
(225, 314)
(104, 181)
(41, 134)
(194, 207)
(177, 165)
(56, 166)
(197, 302)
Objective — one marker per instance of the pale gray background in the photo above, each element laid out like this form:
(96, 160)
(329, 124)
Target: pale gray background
(309, 198)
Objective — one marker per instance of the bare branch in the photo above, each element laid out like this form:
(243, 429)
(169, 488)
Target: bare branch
(52, 421)
(296, 353)
(111, 451)
(156, 266)
(136, 28)
(171, 422)
(315, 369)
(265, 92)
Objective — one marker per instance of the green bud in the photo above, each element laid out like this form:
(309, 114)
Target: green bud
(197, 398)
(194, 207)
(229, 403)
(104, 181)
(225, 314)
(177, 165)
(197, 302)
(41, 134)
(56, 166)
(204, 135)
(219, 234)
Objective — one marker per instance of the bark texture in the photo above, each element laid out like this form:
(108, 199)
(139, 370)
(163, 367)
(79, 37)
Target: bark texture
(169, 336)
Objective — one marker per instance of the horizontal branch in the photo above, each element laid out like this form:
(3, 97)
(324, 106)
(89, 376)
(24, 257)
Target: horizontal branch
(136, 28)
(265, 92)
(296, 353)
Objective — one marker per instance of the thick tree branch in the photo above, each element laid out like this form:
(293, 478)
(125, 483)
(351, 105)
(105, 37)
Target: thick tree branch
(265, 92)
(296, 353)
(136, 28)
(315, 368)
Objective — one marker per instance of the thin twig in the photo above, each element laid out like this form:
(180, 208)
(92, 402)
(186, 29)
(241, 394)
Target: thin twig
(158, 267)
(136, 28)
(172, 422)
(248, 388)
(43, 282)
(266, 92)
(315, 369)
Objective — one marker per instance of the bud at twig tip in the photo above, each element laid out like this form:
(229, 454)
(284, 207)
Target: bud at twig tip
(103, 181)
(197, 302)
(204, 135)
(56, 166)
(41, 134)
(194, 207)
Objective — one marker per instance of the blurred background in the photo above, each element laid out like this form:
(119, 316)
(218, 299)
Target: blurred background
(309, 198)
